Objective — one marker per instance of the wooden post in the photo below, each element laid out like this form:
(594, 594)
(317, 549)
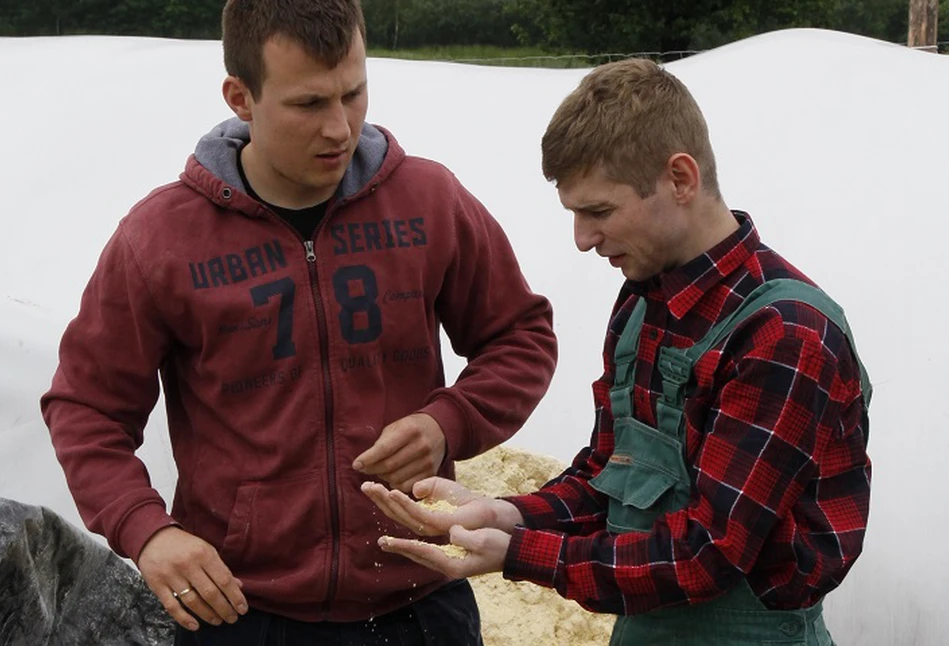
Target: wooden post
(923, 18)
(395, 30)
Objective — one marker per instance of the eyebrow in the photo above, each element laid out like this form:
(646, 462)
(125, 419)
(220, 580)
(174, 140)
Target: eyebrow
(359, 87)
(313, 97)
(593, 206)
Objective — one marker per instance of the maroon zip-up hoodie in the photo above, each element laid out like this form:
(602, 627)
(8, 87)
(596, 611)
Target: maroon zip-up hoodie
(282, 359)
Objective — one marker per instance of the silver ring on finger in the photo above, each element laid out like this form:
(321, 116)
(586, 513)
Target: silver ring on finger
(178, 595)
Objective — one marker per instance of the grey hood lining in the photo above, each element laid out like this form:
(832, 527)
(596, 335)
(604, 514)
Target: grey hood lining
(217, 151)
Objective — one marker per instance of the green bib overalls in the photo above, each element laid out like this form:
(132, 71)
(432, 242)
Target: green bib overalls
(646, 477)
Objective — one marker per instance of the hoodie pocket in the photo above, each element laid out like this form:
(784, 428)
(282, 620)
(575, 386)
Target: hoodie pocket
(276, 524)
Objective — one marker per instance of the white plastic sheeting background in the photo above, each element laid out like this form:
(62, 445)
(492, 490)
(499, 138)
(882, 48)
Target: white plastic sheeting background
(835, 143)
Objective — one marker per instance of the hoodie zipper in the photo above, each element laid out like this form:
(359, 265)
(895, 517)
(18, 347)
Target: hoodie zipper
(310, 248)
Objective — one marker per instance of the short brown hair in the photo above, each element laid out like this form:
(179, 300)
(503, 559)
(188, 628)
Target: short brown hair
(324, 28)
(630, 117)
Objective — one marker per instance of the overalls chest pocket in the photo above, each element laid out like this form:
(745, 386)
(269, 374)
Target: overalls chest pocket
(645, 477)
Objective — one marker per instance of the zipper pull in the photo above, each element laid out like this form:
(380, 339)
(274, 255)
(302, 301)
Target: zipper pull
(310, 252)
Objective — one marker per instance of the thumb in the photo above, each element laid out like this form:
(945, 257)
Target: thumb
(423, 488)
(462, 537)
(383, 447)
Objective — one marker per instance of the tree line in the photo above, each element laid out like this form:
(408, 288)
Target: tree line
(576, 26)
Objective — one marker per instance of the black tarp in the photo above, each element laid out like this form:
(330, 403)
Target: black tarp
(59, 587)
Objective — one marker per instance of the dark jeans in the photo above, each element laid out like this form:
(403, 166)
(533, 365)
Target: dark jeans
(447, 617)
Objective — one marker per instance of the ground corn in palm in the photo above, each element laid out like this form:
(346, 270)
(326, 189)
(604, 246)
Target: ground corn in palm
(437, 505)
(451, 551)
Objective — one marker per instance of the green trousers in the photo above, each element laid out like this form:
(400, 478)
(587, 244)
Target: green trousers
(737, 618)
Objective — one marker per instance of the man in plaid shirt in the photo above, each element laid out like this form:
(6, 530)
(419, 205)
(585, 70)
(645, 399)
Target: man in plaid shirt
(726, 487)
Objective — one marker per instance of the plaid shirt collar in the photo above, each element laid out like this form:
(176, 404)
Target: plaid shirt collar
(681, 288)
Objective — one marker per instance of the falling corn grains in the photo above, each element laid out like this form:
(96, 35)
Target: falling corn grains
(437, 505)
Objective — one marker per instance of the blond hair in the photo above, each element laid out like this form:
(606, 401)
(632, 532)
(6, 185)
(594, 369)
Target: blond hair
(629, 117)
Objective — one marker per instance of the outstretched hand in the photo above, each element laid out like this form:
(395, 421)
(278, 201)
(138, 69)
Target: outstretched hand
(484, 551)
(442, 504)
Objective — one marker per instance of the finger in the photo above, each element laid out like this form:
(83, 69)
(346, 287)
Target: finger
(409, 505)
(439, 488)
(463, 537)
(380, 496)
(388, 444)
(192, 597)
(229, 585)
(430, 555)
(412, 556)
(420, 520)
(424, 488)
(212, 596)
(422, 553)
(378, 493)
(403, 510)
(405, 478)
(175, 609)
(192, 600)
(400, 458)
(485, 549)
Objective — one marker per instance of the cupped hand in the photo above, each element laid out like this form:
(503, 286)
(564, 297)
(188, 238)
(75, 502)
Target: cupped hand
(484, 551)
(442, 504)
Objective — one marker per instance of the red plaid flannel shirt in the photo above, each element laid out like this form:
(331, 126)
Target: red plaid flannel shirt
(776, 433)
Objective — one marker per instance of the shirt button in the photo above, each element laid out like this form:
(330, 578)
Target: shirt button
(791, 628)
(653, 334)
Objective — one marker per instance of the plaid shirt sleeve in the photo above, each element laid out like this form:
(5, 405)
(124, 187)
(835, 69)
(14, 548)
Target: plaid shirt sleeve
(776, 448)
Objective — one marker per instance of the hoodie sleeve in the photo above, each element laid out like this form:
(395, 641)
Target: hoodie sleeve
(101, 395)
(503, 329)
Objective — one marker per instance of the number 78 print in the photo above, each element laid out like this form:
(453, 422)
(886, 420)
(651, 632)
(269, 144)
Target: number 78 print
(355, 309)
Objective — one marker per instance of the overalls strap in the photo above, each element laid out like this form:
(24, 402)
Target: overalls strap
(625, 360)
(676, 364)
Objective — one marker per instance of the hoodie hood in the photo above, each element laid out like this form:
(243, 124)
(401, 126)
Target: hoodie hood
(217, 151)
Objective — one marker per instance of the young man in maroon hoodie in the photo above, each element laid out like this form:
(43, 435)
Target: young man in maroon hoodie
(726, 487)
(288, 292)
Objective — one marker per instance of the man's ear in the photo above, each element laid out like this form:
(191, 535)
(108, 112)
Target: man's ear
(238, 98)
(686, 177)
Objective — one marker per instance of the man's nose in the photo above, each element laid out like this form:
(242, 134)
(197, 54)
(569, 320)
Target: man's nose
(336, 127)
(585, 234)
